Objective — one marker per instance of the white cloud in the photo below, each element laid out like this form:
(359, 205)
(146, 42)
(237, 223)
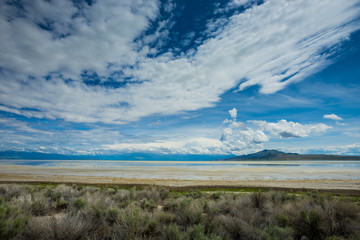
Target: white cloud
(99, 35)
(233, 113)
(236, 138)
(19, 135)
(270, 45)
(350, 149)
(188, 146)
(239, 3)
(285, 129)
(249, 136)
(333, 117)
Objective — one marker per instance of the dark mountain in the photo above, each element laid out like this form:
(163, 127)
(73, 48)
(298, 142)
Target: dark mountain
(278, 155)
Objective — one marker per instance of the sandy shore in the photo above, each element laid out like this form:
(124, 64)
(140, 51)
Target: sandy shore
(321, 184)
(173, 174)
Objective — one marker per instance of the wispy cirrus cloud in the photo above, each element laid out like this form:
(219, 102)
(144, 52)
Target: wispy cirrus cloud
(50, 49)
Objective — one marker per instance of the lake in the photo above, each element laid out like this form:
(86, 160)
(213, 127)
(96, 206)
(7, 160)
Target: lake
(189, 170)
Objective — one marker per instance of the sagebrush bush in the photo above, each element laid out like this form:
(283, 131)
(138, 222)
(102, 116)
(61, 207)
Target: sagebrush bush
(62, 211)
(172, 232)
(79, 203)
(12, 220)
(189, 213)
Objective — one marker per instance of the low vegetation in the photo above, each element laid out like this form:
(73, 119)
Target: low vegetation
(40, 211)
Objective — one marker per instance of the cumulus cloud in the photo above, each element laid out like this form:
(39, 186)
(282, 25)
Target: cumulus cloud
(333, 117)
(233, 113)
(49, 46)
(285, 129)
(240, 137)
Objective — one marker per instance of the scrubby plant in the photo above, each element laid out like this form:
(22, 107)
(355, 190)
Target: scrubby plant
(133, 223)
(172, 232)
(79, 203)
(194, 193)
(196, 232)
(149, 193)
(149, 205)
(62, 204)
(12, 220)
(164, 193)
(113, 215)
(165, 217)
(53, 195)
(282, 220)
(215, 196)
(276, 232)
(41, 211)
(39, 208)
(258, 200)
(190, 213)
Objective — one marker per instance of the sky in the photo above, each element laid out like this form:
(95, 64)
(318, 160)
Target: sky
(202, 77)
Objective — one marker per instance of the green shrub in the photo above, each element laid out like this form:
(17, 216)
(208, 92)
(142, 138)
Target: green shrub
(164, 193)
(150, 193)
(130, 214)
(347, 218)
(276, 232)
(189, 214)
(79, 203)
(12, 220)
(258, 200)
(54, 196)
(62, 204)
(282, 220)
(165, 218)
(172, 205)
(334, 238)
(196, 232)
(113, 215)
(215, 196)
(309, 224)
(230, 227)
(98, 212)
(123, 204)
(172, 232)
(133, 223)
(149, 205)
(39, 208)
(280, 197)
(194, 193)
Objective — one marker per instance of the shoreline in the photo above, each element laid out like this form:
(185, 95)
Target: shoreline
(337, 186)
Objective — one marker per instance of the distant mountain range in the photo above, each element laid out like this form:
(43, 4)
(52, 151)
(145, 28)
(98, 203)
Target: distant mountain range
(124, 156)
(262, 155)
(278, 155)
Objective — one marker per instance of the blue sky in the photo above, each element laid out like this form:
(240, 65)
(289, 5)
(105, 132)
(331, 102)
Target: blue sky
(180, 77)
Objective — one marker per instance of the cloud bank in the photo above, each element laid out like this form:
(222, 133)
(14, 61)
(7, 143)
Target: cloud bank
(240, 137)
(87, 62)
